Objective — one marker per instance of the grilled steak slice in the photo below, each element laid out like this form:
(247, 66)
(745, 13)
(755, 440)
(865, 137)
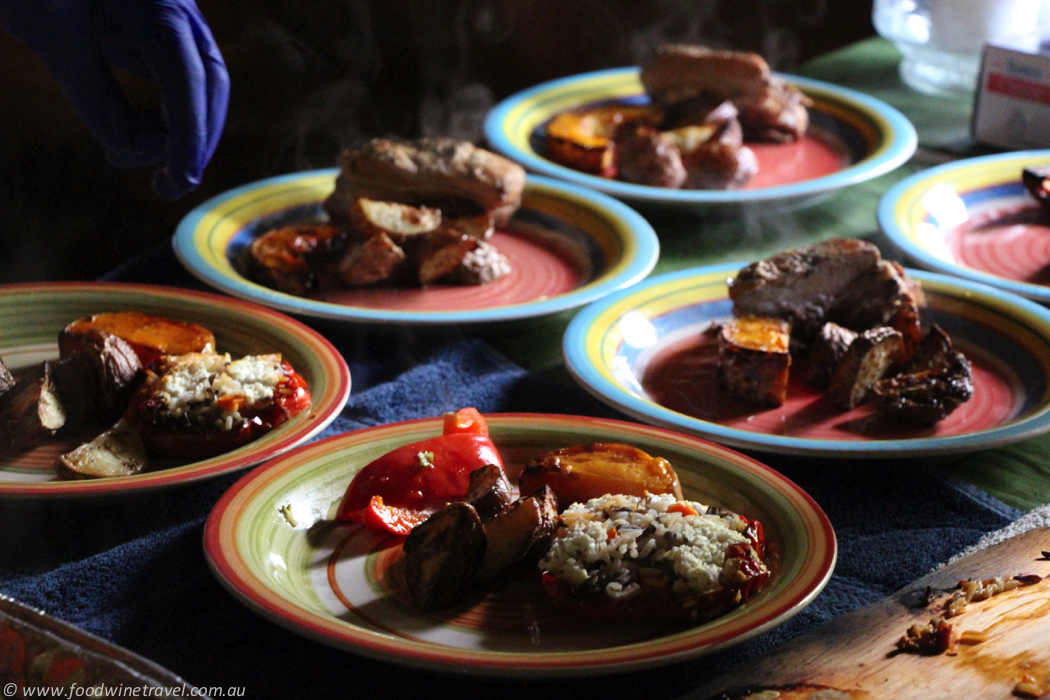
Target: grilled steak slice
(770, 109)
(827, 352)
(679, 72)
(870, 357)
(644, 156)
(427, 171)
(841, 280)
(936, 381)
(754, 358)
(802, 285)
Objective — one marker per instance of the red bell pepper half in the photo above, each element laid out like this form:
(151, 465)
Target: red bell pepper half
(406, 486)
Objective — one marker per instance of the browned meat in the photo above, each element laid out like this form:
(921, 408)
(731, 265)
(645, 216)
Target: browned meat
(936, 381)
(869, 358)
(287, 259)
(489, 492)
(372, 260)
(777, 113)
(841, 280)
(443, 556)
(722, 162)
(644, 156)
(519, 533)
(827, 352)
(769, 108)
(754, 358)
(680, 72)
(883, 297)
(427, 171)
(32, 411)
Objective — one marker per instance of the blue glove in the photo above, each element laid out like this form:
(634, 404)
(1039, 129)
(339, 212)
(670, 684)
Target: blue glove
(167, 41)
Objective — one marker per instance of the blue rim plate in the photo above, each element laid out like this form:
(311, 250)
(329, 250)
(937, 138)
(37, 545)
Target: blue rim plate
(880, 138)
(917, 212)
(621, 246)
(669, 307)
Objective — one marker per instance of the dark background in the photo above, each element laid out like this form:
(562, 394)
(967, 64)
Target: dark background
(312, 77)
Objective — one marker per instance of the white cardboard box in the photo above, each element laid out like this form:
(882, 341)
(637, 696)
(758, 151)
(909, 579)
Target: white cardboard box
(1012, 102)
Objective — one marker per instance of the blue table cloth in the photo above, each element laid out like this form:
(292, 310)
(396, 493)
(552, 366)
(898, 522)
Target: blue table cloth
(132, 570)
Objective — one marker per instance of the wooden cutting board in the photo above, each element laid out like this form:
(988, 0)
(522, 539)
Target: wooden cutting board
(855, 657)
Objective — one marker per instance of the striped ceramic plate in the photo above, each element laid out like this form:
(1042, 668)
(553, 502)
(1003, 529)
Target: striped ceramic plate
(567, 247)
(973, 218)
(267, 542)
(875, 138)
(31, 316)
(641, 352)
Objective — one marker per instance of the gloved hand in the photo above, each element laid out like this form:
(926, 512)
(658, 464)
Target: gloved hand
(167, 41)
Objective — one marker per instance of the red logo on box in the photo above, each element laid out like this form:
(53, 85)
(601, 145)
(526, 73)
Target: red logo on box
(1018, 87)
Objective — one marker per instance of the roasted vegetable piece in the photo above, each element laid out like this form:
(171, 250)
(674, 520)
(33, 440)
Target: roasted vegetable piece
(754, 358)
(117, 452)
(582, 472)
(369, 261)
(827, 352)
(489, 492)
(937, 380)
(117, 368)
(32, 411)
(443, 556)
(870, 357)
(524, 529)
(399, 221)
(149, 335)
(582, 138)
(294, 259)
(404, 487)
(645, 156)
(200, 405)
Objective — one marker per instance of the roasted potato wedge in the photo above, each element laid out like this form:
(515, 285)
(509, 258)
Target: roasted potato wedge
(399, 221)
(117, 452)
(582, 472)
(754, 358)
(32, 411)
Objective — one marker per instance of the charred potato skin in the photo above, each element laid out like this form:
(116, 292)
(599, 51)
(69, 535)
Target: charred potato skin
(579, 473)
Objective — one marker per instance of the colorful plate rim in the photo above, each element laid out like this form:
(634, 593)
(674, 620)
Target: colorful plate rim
(509, 125)
(228, 563)
(326, 404)
(581, 348)
(901, 209)
(201, 239)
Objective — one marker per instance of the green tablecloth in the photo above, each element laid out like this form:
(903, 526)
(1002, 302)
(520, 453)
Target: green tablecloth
(1018, 475)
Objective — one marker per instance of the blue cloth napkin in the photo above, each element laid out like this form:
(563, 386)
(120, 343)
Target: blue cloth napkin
(132, 570)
